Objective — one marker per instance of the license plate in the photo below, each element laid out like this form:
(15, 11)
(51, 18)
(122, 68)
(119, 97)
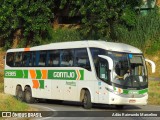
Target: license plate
(132, 101)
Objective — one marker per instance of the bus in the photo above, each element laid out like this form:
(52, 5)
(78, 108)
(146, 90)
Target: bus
(84, 71)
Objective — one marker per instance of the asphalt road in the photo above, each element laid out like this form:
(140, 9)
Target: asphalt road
(74, 110)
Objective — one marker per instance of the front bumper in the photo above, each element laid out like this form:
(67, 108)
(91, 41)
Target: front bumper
(119, 100)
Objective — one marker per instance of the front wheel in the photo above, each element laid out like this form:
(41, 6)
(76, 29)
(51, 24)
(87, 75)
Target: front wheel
(87, 100)
(28, 96)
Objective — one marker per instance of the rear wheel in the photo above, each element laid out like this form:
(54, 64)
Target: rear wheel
(28, 96)
(87, 100)
(19, 93)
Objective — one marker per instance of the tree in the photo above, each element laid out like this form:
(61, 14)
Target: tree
(99, 17)
(29, 20)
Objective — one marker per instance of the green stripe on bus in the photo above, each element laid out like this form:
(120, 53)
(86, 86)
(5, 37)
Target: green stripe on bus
(52, 74)
(41, 82)
(25, 73)
(82, 74)
(135, 91)
(125, 91)
(143, 91)
(39, 74)
(16, 74)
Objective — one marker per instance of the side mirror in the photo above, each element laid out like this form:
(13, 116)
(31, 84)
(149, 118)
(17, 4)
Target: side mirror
(153, 66)
(110, 61)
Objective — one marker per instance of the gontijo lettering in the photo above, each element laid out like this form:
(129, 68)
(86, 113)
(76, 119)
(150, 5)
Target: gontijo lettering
(64, 74)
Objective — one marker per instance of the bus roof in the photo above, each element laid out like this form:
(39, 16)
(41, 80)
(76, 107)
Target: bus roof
(111, 46)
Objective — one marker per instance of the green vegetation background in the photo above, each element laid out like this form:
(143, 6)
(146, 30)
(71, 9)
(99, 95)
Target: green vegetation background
(30, 23)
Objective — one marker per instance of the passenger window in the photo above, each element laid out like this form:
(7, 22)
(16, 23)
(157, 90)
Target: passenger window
(26, 59)
(95, 52)
(42, 59)
(31, 59)
(10, 59)
(66, 58)
(82, 59)
(54, 58)
(18, 59)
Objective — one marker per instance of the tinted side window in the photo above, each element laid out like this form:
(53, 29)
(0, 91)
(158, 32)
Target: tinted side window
(26, 60)
(42, 59)
(54, 58)
(67, 58)
(18, 59)
(10, 59)
(95, 52)
(82, 59)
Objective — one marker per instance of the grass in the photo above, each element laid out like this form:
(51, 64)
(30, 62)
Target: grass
(154, 93)
(1, 87)
(10, 103)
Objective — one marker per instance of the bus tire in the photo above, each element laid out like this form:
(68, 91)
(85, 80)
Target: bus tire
(19, 93)
(87, 100)
(28, 96)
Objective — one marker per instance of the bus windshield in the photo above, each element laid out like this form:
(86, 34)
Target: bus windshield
(129, 71)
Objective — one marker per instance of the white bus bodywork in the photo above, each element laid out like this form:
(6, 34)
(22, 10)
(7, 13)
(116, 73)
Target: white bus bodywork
(42, 86)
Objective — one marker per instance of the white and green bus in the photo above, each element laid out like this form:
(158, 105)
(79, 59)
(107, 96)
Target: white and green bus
(85, 71)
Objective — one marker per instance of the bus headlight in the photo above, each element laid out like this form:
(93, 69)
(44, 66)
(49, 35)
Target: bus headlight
(116, 91)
